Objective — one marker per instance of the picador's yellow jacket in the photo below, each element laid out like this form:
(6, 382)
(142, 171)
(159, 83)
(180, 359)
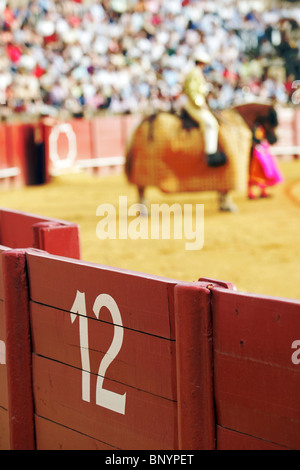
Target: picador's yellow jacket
(195, 87)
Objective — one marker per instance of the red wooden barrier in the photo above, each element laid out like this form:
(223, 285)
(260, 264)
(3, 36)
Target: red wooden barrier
(16, 230)
(22, 157)
(4, 419)
(256, 383)
(30, 153)
(18, 351)
(196, 420)
(122, 360)
(97, 144)
(114, 359)
(105, 345)
(11, 164)
(22, 230)
(288, 143)
(108, 139)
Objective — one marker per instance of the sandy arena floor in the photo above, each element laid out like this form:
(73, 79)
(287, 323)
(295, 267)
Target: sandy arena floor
(257, 249)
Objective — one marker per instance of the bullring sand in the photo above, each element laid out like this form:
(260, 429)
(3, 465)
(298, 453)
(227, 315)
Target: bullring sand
(257, 249)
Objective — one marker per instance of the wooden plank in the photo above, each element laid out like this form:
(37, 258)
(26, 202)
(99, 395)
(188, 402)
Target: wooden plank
(149, 422)
(57, 238)
(3, 147)
(16, 135)
(2, 248)
(4, 429)
(52, 436)
(79, 312)
(22, 230)
(65, 142)
(3, 387)
(107, 137)
(196, 420)
(231, 440)
(256, 382)
(18, 351)
(2, 322)
(3, 371)
(16, 228)
(82, 130)
(145, 302)
(146, 362)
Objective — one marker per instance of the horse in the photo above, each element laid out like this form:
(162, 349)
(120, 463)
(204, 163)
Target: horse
(166, 150)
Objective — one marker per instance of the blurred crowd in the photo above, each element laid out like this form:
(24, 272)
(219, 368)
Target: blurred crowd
(131, 56)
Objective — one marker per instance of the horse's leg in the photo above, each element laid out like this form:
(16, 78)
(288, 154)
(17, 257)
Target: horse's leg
(141, 194)
(226, 203)
(251, 195)
(142, 200)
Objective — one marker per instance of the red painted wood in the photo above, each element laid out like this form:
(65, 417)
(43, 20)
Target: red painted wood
(12, 153)
(82, 129)
(52, 436)
(146, 362)
(3, 387)
(256, 383)
(144, 367)
(296, 125)
(3, 373)
(4, 430)
(4, 418)
(194, 367)
(4, 421)
(285, 131)
(107, 135)
(149, 421)
(145, 301)
(217, 283)
(15, 141)
(3, 154)
(57, 238)
(71, 139)
(18, 351)
(16, 228)
(231, 440)
(2, 248)
(22, 230)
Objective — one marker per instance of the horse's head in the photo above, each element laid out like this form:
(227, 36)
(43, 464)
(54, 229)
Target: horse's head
(269, 123)
(260, 115)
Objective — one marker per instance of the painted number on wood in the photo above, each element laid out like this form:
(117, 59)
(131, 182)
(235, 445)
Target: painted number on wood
(106, 398)
(296, 354)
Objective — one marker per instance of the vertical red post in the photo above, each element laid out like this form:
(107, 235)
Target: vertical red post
(57, 238)
(194, 353)
(18, 351)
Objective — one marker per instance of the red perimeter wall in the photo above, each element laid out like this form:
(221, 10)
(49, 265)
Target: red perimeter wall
(94, 357)
(32, 153)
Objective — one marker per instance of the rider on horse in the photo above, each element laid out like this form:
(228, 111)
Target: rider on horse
(196, 89)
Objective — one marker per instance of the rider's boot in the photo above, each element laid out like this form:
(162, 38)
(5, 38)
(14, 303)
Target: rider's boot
(216, 159)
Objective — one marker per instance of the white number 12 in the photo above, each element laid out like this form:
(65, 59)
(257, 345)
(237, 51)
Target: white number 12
(106, 398)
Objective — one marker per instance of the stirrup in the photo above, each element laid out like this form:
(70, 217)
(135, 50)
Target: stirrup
(216, 159)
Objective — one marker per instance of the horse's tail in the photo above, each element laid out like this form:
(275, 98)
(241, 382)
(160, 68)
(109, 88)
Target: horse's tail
(151, 121)
(129, 150)
(129, 155)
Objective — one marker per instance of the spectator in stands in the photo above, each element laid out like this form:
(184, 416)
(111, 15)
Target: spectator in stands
(132, 55)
